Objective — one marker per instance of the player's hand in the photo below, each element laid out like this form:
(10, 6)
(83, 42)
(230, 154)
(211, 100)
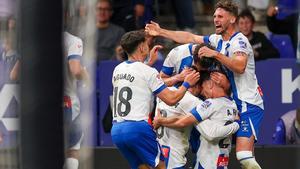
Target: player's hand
(154, 54)
(152, 28)
(156, 120)
(220, 79)
(180, 77)
(206, 52)
(192, 78)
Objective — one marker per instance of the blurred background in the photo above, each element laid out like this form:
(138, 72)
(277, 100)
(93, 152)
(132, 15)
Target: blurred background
(33, 50)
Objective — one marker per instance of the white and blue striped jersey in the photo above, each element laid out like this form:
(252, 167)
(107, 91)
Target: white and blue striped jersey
(134, 87)
(73, 49)
(175, 142)
(177, 59)
(215, 154)
(244, 86)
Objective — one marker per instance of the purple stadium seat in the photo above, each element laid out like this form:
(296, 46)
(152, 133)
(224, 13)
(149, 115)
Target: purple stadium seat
(283, 43)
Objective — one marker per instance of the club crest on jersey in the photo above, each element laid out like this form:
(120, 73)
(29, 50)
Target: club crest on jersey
(243, 44)
(206, 104)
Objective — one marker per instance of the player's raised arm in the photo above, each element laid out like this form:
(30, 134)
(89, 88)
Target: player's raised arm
(178, 36)
(172, 97)
(237, 63)
(172, 80)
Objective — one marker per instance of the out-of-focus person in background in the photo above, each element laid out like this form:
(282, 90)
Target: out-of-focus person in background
(283, 19)
(262, 47)
(288, 128)
(108, 34)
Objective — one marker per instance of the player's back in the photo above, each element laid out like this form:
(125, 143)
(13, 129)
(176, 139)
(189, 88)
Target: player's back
(214, 154)
(134, 84)
(177, 59)
(175, 142)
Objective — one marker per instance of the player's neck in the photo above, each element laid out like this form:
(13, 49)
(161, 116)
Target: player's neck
(228, 33)
(219, 93)
(136, 57)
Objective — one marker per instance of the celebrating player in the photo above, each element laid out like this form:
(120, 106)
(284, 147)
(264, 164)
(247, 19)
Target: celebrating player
(134, 85)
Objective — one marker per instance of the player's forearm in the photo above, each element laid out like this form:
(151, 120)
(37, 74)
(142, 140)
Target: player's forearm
(170, 81)
(171, 97)
(217, 132)
(234, 65)
(181, 36)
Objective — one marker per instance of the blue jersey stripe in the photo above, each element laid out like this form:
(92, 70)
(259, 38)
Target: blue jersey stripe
(206, 39)
(167, 70)
(74, 57)
(161, 88)
(196, 114)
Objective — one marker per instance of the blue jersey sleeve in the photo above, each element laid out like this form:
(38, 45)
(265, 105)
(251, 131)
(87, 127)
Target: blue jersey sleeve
(279, 135)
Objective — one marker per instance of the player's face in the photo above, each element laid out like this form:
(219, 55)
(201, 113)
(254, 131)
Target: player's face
(103, 12)
(207, 89)
(245, 25)
(222, 20)
(144, 47)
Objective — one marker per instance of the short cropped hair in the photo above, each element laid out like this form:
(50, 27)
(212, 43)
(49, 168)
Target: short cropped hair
(195, 53)
(247, 14)
(131, 40)
(228, 6)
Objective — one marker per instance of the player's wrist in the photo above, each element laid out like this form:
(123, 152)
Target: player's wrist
(217, 54)
(186, 85)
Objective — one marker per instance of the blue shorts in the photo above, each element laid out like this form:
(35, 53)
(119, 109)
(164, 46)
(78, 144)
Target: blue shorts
(137, 142)
(250, 121)
(72, 123)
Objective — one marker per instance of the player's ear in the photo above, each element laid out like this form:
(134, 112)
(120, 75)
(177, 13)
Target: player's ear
(232, 20)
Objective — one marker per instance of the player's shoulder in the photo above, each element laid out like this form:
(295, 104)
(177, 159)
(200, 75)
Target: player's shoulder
(208, 103)
(239, 37)
(181, 49)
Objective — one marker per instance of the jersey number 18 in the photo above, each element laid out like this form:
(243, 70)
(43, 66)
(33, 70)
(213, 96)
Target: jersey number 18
(123, 99)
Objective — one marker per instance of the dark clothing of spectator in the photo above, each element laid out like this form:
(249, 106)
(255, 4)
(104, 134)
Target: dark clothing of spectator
(263, 47)
(124, 14)
(288, 25)
(107, 40)
(184, 14)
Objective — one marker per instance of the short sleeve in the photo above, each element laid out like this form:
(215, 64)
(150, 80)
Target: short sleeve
(155, 83)
(75, 49)
(211, 39)
(241, 44)
(169, 63)
(203, 111)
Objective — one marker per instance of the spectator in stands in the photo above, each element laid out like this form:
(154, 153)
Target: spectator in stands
(287, 25)
(288, 128)
(132, 14)
(262, 47)
(184, 14)
(108, 34)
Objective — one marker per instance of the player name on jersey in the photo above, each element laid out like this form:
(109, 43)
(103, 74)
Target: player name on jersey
(124, 76)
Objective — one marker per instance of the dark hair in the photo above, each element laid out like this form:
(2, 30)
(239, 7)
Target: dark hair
(247, 14)
(131, 40)
(195, 53)
(204, 76)
(228, 6)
